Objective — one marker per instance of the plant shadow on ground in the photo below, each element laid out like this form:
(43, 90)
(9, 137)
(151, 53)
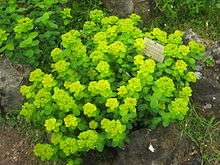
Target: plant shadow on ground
(205, 133)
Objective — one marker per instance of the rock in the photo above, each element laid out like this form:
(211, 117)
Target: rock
(170, 148)
(207, 90)
(105, 157)
(143, 8)
(214, 51)
(190, 35)
(212, 48)
(11, 77)
(206, 95)
(124, 8)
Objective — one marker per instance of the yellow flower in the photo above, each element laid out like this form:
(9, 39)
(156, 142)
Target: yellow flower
(180, 66)
(112, 103)
(122, 90)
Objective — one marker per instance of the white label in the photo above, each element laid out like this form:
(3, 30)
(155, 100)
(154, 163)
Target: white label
(154, 50)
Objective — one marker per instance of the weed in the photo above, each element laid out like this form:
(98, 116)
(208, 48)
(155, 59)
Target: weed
(205, 133)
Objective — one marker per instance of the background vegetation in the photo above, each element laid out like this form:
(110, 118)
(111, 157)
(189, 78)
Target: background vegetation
(200, 15)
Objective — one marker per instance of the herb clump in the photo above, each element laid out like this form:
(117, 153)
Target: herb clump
(101, 83)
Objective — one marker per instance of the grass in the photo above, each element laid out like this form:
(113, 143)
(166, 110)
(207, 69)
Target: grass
(81, 11)
(206, 28)
(205, 133)
(205, 23)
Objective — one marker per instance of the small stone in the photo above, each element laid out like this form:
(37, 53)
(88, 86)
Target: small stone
(198, 68)
(217, 62)
(198, 75)
(208, 106)
(151, 148)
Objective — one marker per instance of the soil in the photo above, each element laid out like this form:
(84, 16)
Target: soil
(16, 148)
(170, 148)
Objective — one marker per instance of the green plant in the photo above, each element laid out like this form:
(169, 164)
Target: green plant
(204, 132)
(101, 83)
(29, 29)
(187, 8)
(199, 15)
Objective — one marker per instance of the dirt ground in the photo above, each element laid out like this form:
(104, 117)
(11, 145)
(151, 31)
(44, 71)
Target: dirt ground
(15, 148)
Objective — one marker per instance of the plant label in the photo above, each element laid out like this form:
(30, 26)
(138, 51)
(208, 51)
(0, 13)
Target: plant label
(154, 50)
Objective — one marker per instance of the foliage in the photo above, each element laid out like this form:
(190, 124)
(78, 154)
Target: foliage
(187, 8)
(204, 132)
(101, 83)
(200, 15)
(29, 29)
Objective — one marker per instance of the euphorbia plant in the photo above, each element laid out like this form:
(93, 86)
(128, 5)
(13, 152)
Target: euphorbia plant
(30, 29)
(101, 83)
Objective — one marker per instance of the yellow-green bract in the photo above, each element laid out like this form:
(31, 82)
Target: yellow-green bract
(101, 83)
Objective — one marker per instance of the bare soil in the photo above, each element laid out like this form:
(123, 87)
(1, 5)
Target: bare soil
(16, 148)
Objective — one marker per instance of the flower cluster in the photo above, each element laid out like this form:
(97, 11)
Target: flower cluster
(114, 130)
(52, 125)
(71, 121)
(90, 110)
(101, 87)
